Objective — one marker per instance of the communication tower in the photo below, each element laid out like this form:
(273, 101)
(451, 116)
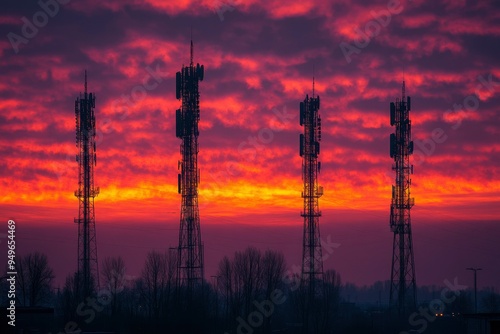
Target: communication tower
(88, 274)
(312, 262)
(190, 249)
(403, 284)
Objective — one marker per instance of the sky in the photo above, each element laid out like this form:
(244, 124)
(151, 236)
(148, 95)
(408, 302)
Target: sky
(259, 58)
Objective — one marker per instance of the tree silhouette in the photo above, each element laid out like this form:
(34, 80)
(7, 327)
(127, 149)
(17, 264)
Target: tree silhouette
(273, 272)
(113, 273)
(157, 281)
(34, 279)
(248, 278)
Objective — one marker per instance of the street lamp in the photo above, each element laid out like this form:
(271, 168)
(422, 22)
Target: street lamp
(475, 284)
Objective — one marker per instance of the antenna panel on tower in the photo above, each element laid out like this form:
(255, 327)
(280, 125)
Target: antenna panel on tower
(393, 145)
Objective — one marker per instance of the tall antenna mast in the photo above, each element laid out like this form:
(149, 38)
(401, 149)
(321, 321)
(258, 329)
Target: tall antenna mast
(88, 273)
(312, 259)
(403, 283)
(190, 248)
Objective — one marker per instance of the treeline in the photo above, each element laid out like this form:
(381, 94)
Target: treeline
(252, 292)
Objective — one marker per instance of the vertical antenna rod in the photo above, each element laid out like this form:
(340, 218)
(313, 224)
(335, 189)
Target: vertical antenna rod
(403, 284)
(191, 63)
(313, 81)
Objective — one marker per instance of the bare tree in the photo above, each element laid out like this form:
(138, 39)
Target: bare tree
(225, 285)
(331, 285)
(157, 280)
(491, 302)
(70, 297)
(298, 294)
(247, 276)
(171, 272)
(113, 272)
(273, 273)
(34, 279)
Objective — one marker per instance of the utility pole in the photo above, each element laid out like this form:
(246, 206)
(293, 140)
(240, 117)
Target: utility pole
(475, 285)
